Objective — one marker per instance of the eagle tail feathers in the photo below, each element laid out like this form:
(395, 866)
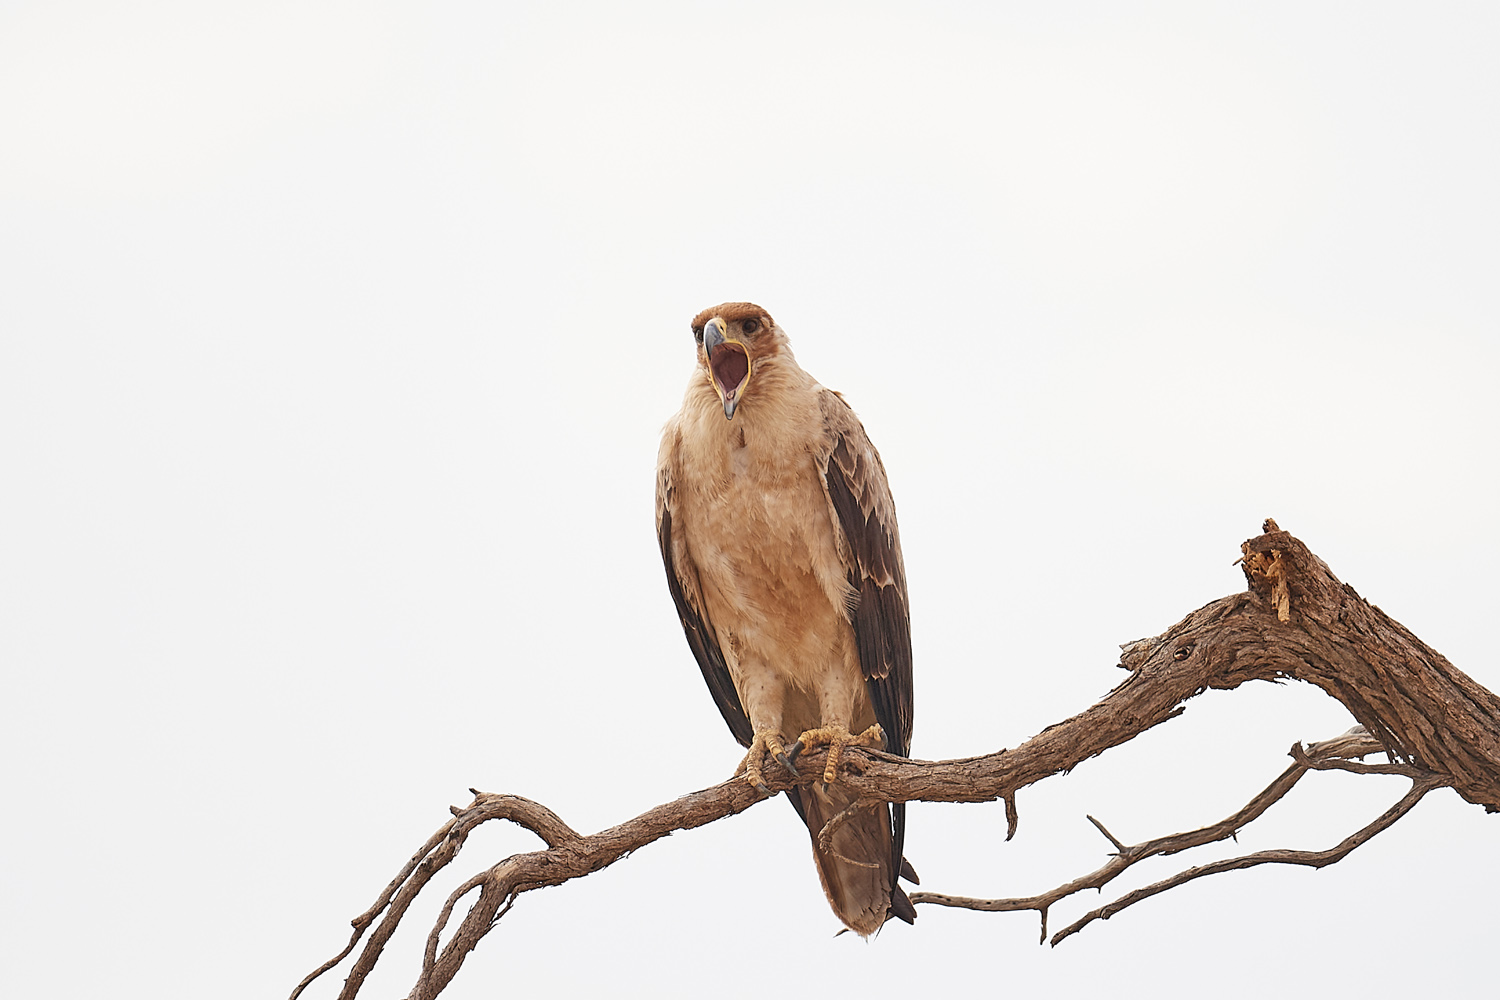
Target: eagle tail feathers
(856, 869)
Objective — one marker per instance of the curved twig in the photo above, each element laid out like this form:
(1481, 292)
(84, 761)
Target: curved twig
(429, 957)
(362, 922)
(1315, 859)
(825, 835)
(440, 849)
(1355, 743)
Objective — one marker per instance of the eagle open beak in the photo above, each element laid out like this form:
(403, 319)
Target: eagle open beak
(728, 365)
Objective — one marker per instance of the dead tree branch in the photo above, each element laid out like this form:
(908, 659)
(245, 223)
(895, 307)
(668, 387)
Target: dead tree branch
(1421, 784)
(1296, 620)
(1327, 755)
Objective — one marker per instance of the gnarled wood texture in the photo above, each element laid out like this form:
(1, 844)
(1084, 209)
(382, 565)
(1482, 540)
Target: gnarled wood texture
(1296, 620)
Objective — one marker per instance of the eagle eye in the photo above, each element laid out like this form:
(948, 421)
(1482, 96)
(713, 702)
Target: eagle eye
(751, 325)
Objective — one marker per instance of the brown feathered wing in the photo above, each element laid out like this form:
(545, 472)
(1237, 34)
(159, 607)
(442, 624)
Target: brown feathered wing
(865, 518)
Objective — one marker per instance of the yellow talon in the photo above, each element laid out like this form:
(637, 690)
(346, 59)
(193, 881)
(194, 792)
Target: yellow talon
(765, 744)
(835, 738)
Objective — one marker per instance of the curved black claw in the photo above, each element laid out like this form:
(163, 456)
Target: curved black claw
(785, 760)
(792, 752)
(763, 789)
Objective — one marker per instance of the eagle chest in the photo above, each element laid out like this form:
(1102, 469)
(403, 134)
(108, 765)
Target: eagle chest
(764, 542)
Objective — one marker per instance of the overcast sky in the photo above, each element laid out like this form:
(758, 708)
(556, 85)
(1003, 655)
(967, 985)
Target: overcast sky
(335, 343)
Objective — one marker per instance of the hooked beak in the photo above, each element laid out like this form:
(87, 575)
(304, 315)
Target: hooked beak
(728, 365)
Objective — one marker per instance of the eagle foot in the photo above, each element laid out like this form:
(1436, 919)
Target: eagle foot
(835, 738)
(765, 745)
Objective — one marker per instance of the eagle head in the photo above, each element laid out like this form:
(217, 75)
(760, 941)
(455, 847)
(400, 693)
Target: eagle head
(732, 339)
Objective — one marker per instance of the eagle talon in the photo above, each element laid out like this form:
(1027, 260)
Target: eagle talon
(785, 760)
(765, 745)
(792, 752)
(836, 738)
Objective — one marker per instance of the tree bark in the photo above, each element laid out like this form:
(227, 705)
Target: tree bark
(1295, 620)
(1303, 623)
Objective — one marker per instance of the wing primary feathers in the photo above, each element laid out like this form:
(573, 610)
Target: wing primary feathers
(881, 620)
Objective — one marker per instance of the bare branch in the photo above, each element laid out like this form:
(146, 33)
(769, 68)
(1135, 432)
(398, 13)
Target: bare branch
(825, 835)
(1315, 859)
(1107, 835)
(1296, 620)
(362, 922)
(429, 958)
(1350, 744)
(432, 857)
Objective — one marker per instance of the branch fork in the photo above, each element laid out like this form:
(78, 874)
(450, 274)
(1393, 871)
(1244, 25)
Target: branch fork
(1436, 726)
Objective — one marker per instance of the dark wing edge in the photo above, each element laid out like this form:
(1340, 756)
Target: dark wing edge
(860, 498)
(700, 634)
(862, 505)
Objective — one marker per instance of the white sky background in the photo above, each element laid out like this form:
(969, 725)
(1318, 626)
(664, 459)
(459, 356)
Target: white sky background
(335, 341)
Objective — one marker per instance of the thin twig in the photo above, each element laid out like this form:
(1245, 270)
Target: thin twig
(1125, 856)
(825, 835)
(430, 956)
(362, 922)
(1315, 859)
(1107, 835)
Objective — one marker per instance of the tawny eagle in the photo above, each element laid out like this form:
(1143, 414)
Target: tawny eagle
(779, 537)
